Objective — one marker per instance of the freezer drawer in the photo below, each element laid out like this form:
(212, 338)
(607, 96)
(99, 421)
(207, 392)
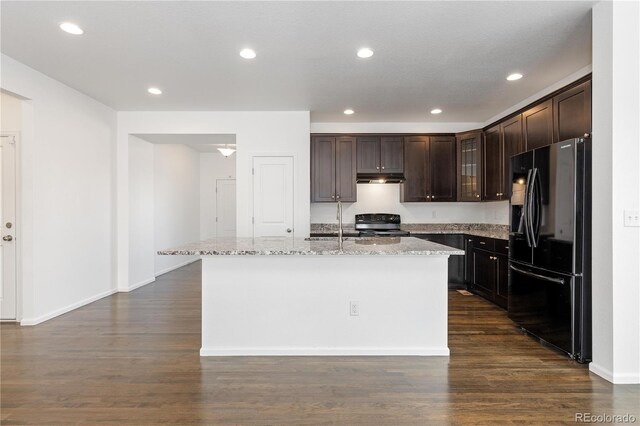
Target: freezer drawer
(549, 306)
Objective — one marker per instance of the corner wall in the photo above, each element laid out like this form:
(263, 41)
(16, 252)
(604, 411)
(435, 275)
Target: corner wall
(616, 179)
(67, 194)
(257, 133)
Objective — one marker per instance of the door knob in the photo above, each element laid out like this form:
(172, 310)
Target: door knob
(289, 230)
(7, 238)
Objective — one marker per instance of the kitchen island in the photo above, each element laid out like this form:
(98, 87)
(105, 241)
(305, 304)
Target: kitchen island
(284, 296)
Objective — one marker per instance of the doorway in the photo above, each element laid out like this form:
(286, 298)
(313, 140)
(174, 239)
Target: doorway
(225, 207)
(8, 284)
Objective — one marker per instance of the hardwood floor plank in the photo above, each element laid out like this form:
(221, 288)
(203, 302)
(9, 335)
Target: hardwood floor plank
(132, 359)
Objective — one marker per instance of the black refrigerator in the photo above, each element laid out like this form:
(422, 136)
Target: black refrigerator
(550, 245)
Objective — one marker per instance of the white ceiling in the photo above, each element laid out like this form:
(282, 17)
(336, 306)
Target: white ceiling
(453, 55)
(198, 142)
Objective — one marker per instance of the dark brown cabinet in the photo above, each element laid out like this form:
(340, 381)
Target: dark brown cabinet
(572, 113)
(417, 184)
(333, 169)
(537, 125)
(429, 169)
(492, 182)
(380, 154)
(469, 163)
(500, 143)
(486, 266)
(512, 144)
(443, 168)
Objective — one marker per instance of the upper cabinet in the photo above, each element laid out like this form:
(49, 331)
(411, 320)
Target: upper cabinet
(501, 142)
(443, 168)
(417, 184)
(492, 182)
(572, 113)
(380, 154)
(333, 169)
(469, 163)
(429, 169)
(537, 125)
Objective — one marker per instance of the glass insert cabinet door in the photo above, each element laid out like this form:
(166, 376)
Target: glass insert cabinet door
(469, 163)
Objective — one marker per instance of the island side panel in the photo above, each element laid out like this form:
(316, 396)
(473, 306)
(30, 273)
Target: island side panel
(299, 305)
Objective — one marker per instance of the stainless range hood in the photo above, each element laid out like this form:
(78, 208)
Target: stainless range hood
(379, 178)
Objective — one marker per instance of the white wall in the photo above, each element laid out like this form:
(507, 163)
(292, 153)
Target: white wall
(385, 198)
(141, 202)
(177, 202)
(616, 179)
(213, 166)
(257, 133)
(66, 171)
(10, 113)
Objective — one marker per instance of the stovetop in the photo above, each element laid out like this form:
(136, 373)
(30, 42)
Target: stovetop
(379, 224)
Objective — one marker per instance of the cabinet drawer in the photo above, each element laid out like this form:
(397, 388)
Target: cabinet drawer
(501, 246)
(485, 243)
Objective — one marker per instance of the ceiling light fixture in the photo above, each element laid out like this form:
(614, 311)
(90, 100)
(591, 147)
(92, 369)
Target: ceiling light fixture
(348, 111)
(436, 111)
(71, 28)
(365, 52)
(226, 151)
(248, 53)
(154, 91)
(515, 76)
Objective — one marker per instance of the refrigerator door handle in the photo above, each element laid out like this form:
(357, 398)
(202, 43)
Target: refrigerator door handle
(525, 216)
(534, 275)
(537, 199)
(529, 206)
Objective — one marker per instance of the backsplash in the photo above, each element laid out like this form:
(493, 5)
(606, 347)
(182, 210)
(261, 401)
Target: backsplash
(374, 198)
(482, 229)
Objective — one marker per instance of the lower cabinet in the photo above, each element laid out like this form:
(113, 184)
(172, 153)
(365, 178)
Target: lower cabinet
(486, 268)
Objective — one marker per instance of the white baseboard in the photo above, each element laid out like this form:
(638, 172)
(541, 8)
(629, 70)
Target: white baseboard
(617, 379)
(137, 285)
(311, 351)
(180, 265)
(68, 308)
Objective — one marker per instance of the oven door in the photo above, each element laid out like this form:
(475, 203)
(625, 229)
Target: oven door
(543, 303)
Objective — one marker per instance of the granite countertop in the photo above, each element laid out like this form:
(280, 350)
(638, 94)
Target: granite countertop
(500, 232)
(388, 246)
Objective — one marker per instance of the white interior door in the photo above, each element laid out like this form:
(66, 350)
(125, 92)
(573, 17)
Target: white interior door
(8, 290)
(225, 207)
(273, 197)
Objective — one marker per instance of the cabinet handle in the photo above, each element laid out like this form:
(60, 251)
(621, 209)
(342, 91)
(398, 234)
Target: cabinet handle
(377, 167)
(333, 197)
(337, 197)
(482, 242)
(477, 195)
(382, 167)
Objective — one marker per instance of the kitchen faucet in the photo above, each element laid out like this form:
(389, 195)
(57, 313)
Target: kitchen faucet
(339, 225)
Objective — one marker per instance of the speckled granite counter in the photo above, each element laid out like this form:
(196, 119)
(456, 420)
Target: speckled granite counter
(478, 229)
(301, 246)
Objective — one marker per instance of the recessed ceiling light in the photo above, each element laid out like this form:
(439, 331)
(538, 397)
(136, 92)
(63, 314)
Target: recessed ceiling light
(154, 91)
(514, 76)
(248, 53)
(436, 111)
(349, 111)
(365, 52)
(70, 28)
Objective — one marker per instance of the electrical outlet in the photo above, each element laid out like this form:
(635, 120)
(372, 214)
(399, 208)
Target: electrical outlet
(354, 308)
(631, 218)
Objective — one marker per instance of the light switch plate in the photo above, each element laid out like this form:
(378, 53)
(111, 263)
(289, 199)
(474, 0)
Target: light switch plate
(632, 218)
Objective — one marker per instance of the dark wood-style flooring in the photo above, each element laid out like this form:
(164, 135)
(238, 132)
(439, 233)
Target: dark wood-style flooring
(133, 359)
